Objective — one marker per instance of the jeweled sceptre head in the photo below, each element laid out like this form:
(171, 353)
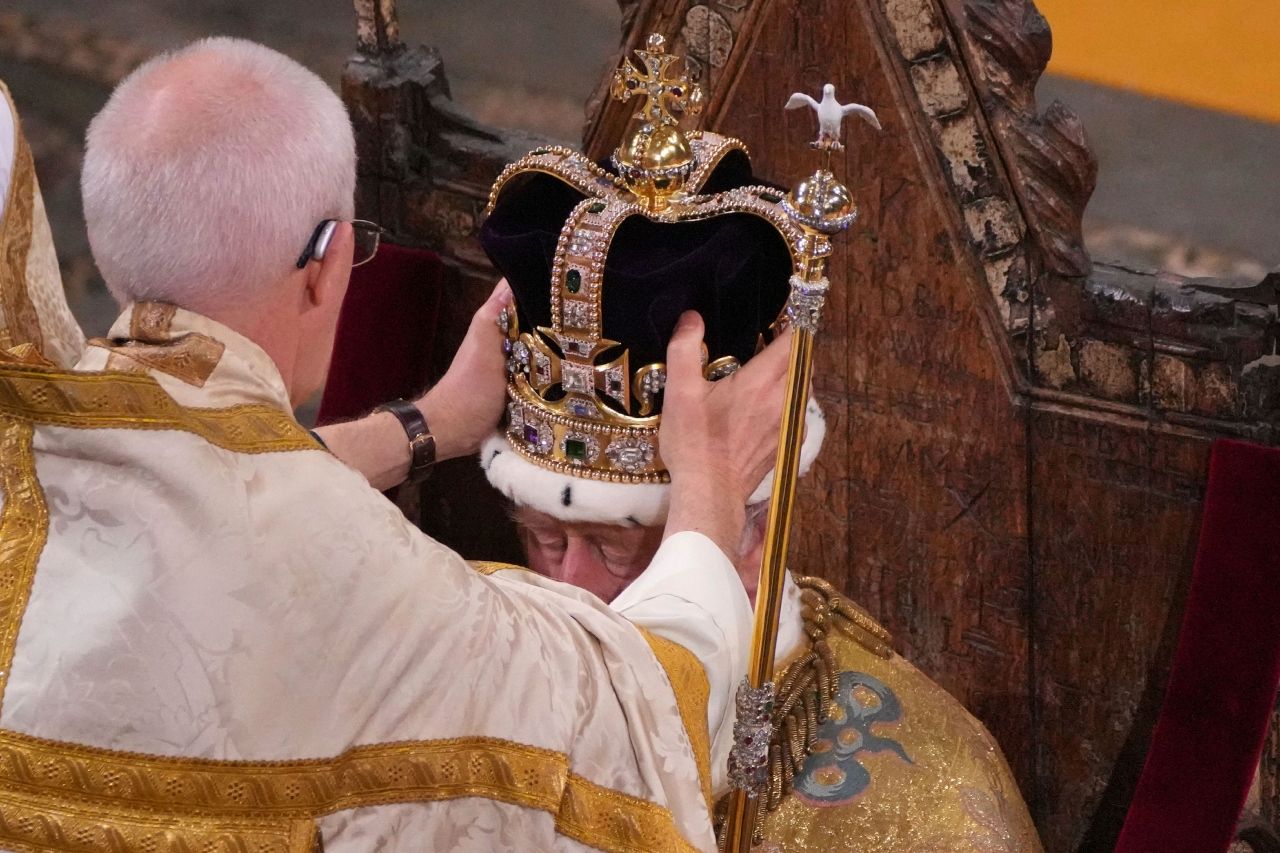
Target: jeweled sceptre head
(821, 205)
(820, 202)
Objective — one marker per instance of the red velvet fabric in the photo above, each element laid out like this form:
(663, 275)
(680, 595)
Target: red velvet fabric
(1222, 687)
(386, 332)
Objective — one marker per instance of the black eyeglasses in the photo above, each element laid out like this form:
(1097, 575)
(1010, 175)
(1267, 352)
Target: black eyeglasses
(368, 235)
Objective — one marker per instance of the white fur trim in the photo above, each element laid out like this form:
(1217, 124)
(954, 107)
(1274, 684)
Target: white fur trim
(594, 501)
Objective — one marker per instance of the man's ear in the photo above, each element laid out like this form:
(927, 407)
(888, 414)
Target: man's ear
(328, 281)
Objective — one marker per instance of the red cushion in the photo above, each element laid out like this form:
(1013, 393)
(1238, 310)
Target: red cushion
(386, 332)
(1222, 687)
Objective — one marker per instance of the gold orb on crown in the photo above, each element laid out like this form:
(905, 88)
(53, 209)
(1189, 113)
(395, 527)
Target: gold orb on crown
(655, 158)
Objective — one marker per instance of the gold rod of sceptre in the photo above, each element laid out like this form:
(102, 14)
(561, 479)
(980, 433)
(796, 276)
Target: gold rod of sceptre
(821, 205)
(742, 817)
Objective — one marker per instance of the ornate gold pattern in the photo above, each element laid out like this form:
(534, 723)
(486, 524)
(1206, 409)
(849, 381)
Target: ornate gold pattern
(97, 783)
(151, 321)
(955, 793)
(21, 323)
(191, 357)
(24, 525)
(586, 177)
(363, 776)
(64, 827)
(124, 401)
(655, 157)
(693, 692)
(489, 567)
(613, 821)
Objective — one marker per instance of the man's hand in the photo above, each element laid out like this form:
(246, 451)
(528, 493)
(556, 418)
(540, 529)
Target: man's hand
(461, 410)
(464, 406)
(718, 439)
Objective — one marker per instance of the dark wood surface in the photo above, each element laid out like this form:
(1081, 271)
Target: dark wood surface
(1018, 436)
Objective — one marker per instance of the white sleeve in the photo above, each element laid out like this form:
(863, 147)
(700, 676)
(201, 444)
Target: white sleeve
(691, 595)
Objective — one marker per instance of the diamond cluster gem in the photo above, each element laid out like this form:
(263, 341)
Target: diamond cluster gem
(579, 314)
(631, 453)
(577, 378)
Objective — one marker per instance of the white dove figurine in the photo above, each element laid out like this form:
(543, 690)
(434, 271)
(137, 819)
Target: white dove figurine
(831, 115)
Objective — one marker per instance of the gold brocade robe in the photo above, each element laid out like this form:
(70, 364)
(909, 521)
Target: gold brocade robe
(898, 766)
(33, 310)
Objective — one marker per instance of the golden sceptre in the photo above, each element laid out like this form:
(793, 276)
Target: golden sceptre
(822, 207)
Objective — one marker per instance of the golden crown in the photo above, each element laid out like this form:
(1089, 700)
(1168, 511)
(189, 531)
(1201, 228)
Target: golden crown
(576, 405)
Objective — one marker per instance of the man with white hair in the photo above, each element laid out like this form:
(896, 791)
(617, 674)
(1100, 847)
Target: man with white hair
(215, 635)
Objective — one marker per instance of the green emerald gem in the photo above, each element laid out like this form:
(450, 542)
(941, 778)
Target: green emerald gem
(575, 449)
(596, 207)
(573, 281)
(772, 198)
(537, 151)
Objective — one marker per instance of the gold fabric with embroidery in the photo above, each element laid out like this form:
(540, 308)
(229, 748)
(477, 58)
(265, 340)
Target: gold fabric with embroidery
(67, 828)
(488, 567)
(190, 358)
(693, 692)
(99, 784)
(955, 793)
(21, 323)
(416, 771)
(24, 525)
(610, 820)
(126, 401)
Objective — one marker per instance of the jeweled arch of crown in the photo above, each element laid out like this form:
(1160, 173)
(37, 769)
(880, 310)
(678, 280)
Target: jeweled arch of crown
(571, 409)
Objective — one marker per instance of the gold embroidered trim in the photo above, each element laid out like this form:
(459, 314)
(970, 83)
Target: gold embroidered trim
(488, 567)
(123, 401)
(24, 525)
(613, 821)
(32, 824)
(191, 357)
(693, 693)
(151, 321)
(93, 782)
(414, 771)
(21, 323)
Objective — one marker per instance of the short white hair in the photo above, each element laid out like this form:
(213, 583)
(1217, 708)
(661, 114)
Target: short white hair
(207, 171)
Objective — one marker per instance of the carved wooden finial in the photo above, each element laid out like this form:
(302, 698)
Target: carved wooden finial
(377, 27)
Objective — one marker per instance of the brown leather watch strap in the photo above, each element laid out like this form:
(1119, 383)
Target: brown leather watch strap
(422, 444)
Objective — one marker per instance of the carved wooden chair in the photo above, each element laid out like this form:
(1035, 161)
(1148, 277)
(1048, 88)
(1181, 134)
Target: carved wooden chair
(1005, 414)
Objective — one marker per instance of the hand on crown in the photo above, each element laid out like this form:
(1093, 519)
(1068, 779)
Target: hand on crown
(467, 402)
(721, 437)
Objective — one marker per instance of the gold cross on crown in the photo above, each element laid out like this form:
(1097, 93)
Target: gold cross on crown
(664, 93)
